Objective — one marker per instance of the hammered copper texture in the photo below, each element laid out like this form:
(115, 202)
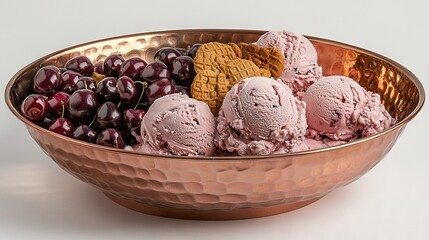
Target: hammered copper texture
(208, 184)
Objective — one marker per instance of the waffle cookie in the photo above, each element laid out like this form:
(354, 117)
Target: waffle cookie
(211, 55)
(264, 57)
(239, 69)
(210, 87)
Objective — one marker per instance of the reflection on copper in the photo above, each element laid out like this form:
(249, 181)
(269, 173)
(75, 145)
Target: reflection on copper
(225, 187)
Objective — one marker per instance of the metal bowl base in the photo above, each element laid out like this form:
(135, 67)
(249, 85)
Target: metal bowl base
(192, 214)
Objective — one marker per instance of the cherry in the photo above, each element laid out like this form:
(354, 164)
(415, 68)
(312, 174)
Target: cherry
(82, 104)
(85, 133)
(158, 89)
(69, 80)
(80, 64)
(181, 89)
(108, 116)
(35, 107)
(182, 51)
(62, 126)
(112, 65)
(112, 138)
(183, 70)
(132, 68)
(46, 122)
(86, 83)
(193, 50)
(155, 71)
(133, 119)
(107, 90)
(167, 55)
(57, 102)
(47, 80)
(98, 67)
(128, 92)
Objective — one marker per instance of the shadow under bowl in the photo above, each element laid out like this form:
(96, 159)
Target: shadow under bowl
(215, 188)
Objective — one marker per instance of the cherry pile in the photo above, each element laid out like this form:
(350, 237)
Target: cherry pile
(104, 102)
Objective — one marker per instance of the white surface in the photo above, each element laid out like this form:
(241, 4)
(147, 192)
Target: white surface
(38, 200)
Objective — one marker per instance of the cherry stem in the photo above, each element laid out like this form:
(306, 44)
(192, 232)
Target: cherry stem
(62, 110)
(86, 86)
(119, 104)
(92, 122)
(144, 86)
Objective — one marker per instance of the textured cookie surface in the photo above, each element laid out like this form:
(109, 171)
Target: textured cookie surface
(239, 69)
(210, 87)
(264, 57)
(211, 55)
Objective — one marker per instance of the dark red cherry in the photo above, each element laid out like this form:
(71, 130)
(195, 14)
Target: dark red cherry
(158, 89)
(182, 51)
(98, 67)
(46, 122)
(62, 126)
(133, 119)
(129, 93)
(155, 71)
(87, 83)
(167, 55)
(82, 104)
(132, 68)
(80, 64)
(181, 89)
(47, 80)
(108, 116)
(85, 133)
(57, 103)
(112, 64)
(193, 50)
(69, 80)
(183, 71)
(107, 90)
(35, 107)
(111, 137)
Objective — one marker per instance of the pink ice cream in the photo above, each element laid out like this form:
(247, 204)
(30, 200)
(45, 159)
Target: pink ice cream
(301, 68)
(260, 116)
(146, 148)
(178, 125)
(340, 109)
(311, 144)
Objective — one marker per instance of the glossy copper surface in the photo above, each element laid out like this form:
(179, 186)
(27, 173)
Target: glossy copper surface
(225, 187)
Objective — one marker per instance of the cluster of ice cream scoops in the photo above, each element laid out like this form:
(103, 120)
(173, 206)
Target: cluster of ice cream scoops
(259, 98)
(252, 111)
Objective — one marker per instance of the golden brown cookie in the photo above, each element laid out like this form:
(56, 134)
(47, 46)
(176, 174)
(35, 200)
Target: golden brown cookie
(264, 73)
(239, 69)
(236, 49)
(210, 87)
(264, 57)
(211, 55)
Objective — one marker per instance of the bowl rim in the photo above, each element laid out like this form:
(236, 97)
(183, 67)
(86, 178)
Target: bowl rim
(398, 125)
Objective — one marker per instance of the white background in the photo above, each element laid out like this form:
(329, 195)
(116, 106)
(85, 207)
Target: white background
(38, 200)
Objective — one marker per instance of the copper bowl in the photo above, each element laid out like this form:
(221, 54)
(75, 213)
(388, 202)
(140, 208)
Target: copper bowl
(215, 188)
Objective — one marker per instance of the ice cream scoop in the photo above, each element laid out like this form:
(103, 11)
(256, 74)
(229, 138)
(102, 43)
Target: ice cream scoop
(301, 68)
(178, 125)
(260, 116)
(340, 109)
